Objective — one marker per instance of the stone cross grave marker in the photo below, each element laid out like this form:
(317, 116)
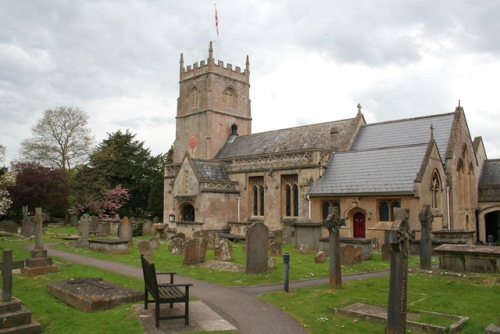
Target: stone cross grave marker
(426, 218)
(7, 266)
(333, 223)
(39, 234)
(399, 239)
(256, 248)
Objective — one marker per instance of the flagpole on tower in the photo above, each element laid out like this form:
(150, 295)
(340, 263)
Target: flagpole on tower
(216, 32)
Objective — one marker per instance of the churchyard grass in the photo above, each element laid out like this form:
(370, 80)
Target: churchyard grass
(470, 295)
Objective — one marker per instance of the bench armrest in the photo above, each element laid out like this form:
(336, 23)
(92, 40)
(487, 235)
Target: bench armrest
(176, 285)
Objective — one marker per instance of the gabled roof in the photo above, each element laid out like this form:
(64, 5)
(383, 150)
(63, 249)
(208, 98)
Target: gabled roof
(490, 174)
(308, 137)
(387, 170)
(411, 131)
(210, 171)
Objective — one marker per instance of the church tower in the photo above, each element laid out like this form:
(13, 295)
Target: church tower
(212, 97)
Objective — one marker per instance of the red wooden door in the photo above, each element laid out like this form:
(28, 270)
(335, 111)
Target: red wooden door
(359, 225)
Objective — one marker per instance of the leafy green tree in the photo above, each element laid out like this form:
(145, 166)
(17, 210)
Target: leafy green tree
(155, 199)
(122, 160)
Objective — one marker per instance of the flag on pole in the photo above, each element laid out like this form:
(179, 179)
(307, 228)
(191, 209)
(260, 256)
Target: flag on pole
(216, 21)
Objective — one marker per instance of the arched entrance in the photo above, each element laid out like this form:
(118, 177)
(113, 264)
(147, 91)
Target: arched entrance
(187, 213)
(359, 225)
(492, 225)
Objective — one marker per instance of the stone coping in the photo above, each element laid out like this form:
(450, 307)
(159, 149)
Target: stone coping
(473, 249)
(350, 240)
(108, 241)
(376, 312)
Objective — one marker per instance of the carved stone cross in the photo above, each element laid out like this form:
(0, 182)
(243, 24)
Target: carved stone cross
(399, 239)
(7, 266)
(426, 218)
(333, 223)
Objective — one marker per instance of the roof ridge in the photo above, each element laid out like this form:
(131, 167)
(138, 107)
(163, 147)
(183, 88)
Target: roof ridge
(386, 147)
(410, 119)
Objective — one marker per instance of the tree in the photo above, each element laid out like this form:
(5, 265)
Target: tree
(7, 179)
(39, 186)
(107, 204)
(119, 160)
(155, 199)
(59, 139)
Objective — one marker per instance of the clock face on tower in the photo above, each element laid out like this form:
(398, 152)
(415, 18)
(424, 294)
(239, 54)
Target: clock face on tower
(193, 141)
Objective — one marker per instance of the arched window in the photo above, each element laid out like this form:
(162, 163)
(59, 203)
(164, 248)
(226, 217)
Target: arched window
(327, 205)
(386, 209)
(436, 191)
(291, 195)
(187, 213)
(460, 183)
(229, 98)
(257, 186)
(194, 97)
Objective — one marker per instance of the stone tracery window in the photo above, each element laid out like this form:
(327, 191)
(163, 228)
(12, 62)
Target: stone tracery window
(436, 191)
(327, 205)
(291, 195)
(257, 186)
(386, 209)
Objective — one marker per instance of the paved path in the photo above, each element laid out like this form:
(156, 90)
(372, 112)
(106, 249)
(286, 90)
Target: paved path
(237, 305)
(247, 313)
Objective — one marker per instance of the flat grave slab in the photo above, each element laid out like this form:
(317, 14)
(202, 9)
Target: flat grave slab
(110, 246)
(92, 294)
(375, 312)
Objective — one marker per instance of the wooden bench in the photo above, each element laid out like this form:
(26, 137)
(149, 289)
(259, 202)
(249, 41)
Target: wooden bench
(168, 293)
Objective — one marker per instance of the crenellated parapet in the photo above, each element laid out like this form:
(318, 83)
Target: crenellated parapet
(210, 66)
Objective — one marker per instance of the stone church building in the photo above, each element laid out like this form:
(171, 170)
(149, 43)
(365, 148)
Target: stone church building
(224, 177)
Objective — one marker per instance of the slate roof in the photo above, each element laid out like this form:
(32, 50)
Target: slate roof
(376, 171)
(308, 137)
(210, 171)
(410, 131)
(490, 174)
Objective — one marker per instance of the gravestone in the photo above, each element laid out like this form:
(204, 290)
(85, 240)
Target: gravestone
(73, 220)
(351, 255)
(286, 233)
(147, 227)
(333, 222)
(83, 229)
(195, 252)
(400, 240)
(256, 248)
(223, 250)
(126, 231)
(180, 235)
(272, 263)
(320, 257)
(24, 211)
(28, 227)
(38, 263)
(278, 236)
(14, 317)
(275, 248)
(156, 220)
(94, 224)
(93, 294)
(8, 226)
(386, 252)
(304, 249)
(426, 218)
(145, 249)
(6, 267)
(212, 238)
(154, 243)
(178, 246)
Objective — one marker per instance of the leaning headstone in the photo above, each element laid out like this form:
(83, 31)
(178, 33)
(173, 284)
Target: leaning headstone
(386, 252)
(195, 252)
(145, 249)
(126, 231)
(320, 257)
(223, 250)
(351, 255)
(426, 218)
(28, 227)
(178, 246)
(275, 248)
(400, 240)
(304, 249)
(256, 248)
(147, 227)
(154, 243)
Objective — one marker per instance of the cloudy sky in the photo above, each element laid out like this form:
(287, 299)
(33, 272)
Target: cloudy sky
(310, 61)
